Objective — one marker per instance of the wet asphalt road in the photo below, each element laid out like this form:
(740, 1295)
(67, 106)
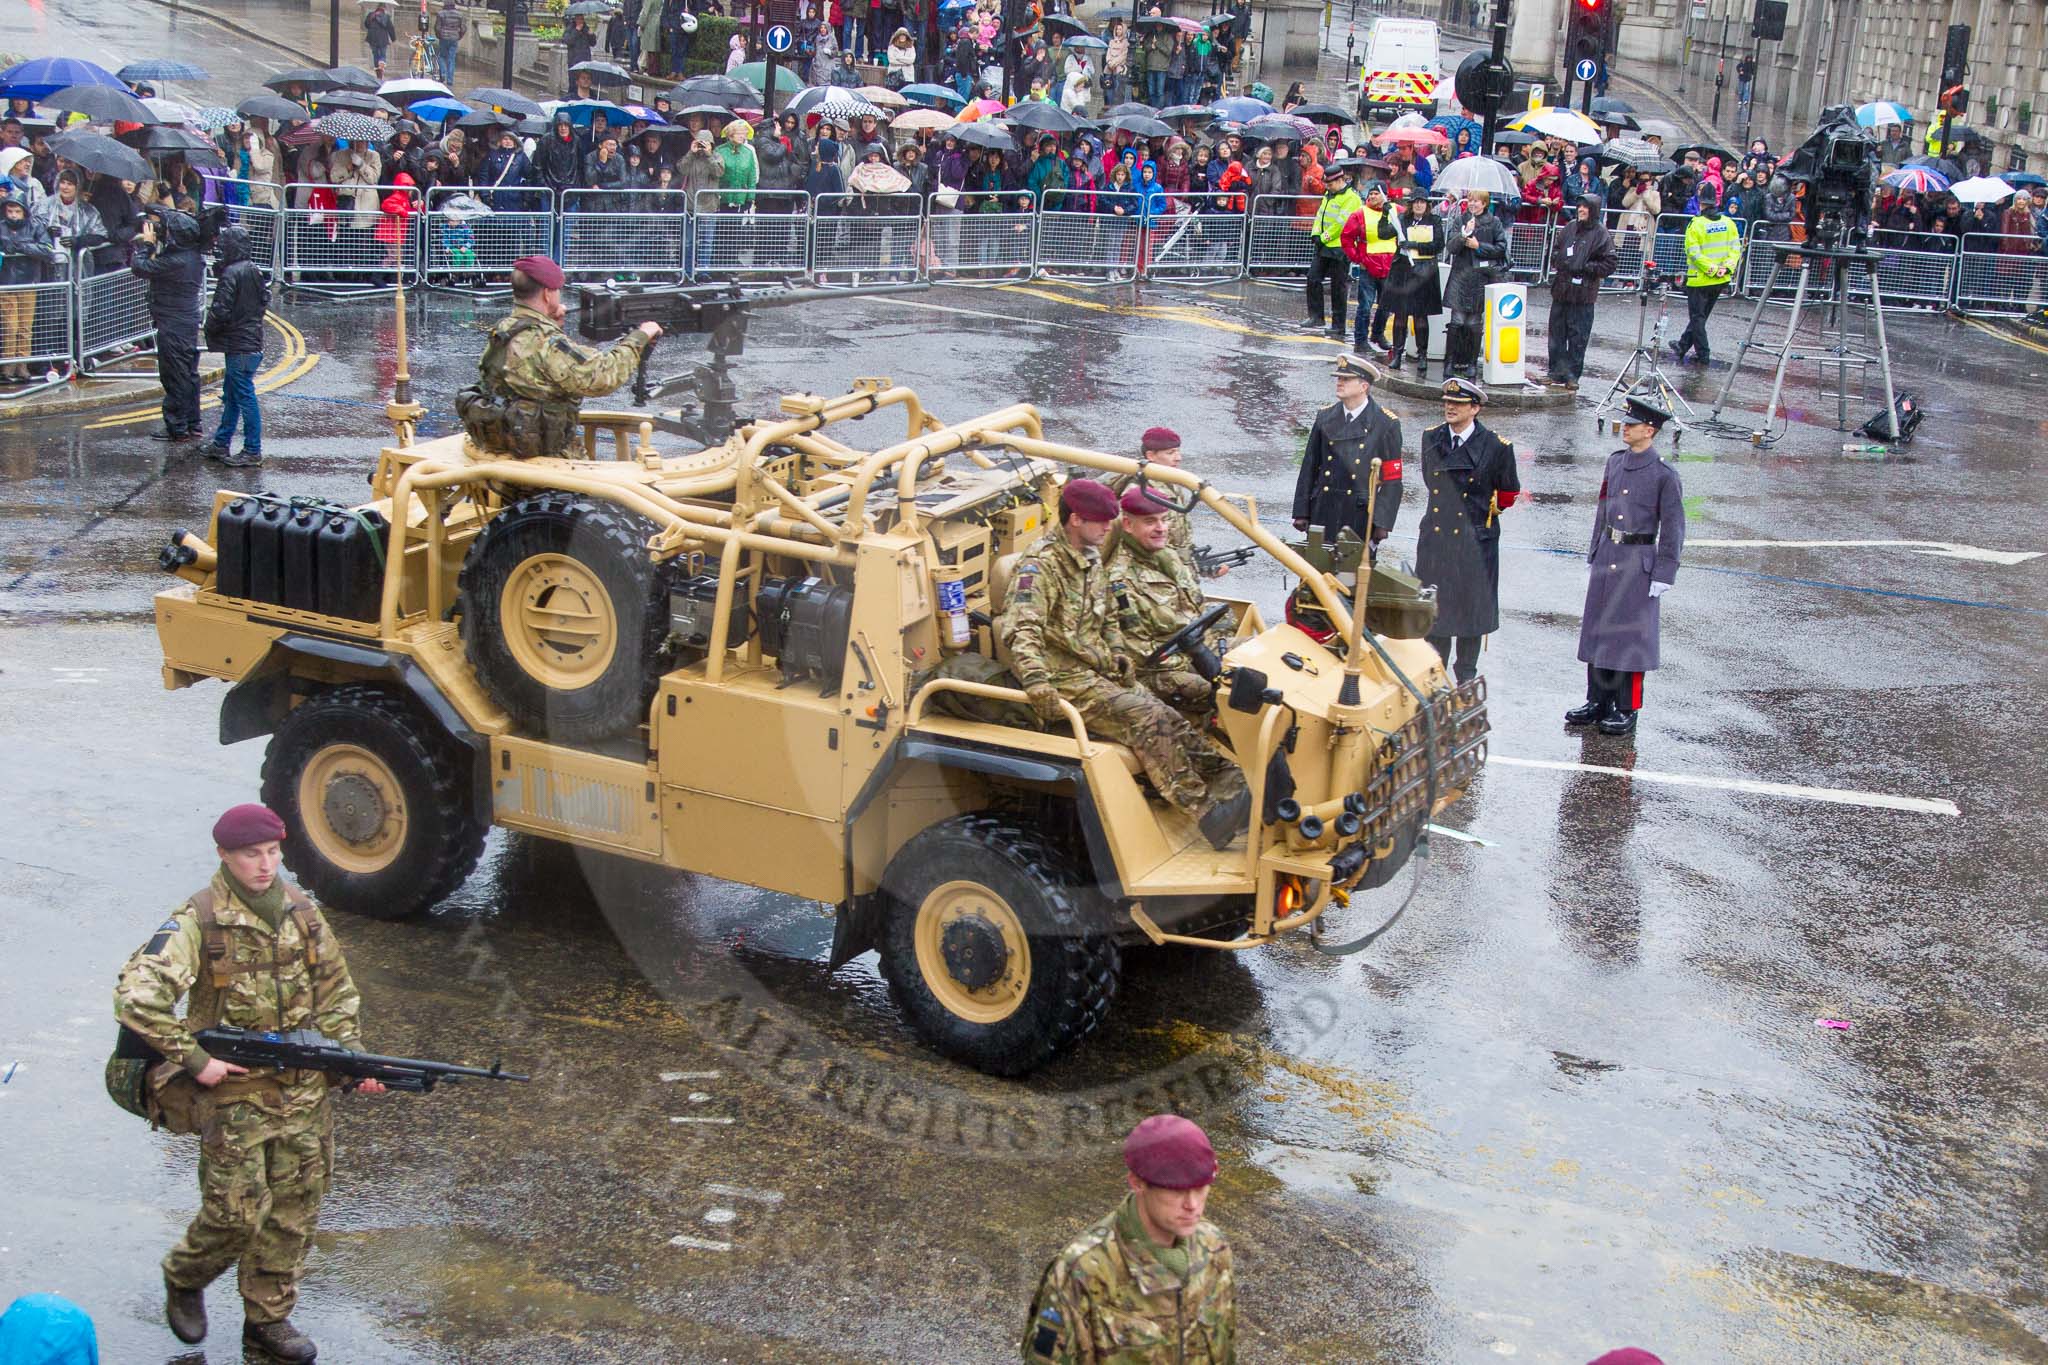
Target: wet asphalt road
(1576, 1099)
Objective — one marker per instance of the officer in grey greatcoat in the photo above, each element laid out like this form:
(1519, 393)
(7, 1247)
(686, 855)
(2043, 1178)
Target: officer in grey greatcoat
(1469, 479)
(1638, 535)
(1336, 470)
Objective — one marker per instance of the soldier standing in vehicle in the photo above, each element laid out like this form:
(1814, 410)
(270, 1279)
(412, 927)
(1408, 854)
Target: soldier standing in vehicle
(1161, 445)
(1064, 645)
(1336, 470)
(1152, 1281)
(254, 953)
(1154, 593)
(533, 378)
(1469, 479)
(1638, 536)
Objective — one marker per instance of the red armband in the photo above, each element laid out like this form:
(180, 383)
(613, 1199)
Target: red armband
(1506, 497)
(1389, 470)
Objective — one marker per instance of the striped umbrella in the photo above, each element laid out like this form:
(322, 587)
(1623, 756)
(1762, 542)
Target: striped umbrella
(1877, 113)
(1918, 179)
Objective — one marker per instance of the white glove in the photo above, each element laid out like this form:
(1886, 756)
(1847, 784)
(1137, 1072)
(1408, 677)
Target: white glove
(1659, 589)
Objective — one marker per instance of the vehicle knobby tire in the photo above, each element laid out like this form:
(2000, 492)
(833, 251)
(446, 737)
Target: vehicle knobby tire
(589, 696)
(1074, 963)
(366, 737)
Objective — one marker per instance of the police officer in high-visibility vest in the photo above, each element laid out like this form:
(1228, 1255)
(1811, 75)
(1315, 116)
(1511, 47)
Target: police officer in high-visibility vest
(1713, 248)
(1340, 201)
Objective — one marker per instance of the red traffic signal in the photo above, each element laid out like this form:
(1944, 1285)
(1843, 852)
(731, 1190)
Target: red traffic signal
(1591, 6)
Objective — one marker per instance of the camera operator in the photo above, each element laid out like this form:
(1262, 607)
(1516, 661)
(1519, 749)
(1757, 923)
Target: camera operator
(1713, 247)
(1581, 257)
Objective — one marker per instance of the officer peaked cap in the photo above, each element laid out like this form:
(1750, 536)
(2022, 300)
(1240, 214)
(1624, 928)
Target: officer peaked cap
(540, 270)
(1357, 367)
(1645, 408)
(1171, 1152)
(1463, 391)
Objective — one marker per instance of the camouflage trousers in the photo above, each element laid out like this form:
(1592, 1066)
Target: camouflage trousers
(1180, 761)
(1185, 691)
(261, 1178)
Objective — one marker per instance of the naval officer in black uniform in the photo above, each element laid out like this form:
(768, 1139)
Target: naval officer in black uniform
(1336, 470)
(1468, 474)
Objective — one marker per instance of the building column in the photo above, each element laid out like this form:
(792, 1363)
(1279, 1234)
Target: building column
(1533, 36)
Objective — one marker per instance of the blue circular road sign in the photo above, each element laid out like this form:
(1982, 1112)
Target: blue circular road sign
(780, 39)
(1586, 70)
(1510, 307)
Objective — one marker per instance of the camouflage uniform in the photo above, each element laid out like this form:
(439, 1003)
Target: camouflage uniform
(1109, 1299)
(1153, 593)
(1059, 630)
(266, 1139)
(532, 380)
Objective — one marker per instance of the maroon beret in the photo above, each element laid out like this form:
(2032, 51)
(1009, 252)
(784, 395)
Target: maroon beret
(1629, 1355)
(242, 826)
(1159, 438)
(1171, 1152)
(540, 270)
(1088, 500)
(1142, 502)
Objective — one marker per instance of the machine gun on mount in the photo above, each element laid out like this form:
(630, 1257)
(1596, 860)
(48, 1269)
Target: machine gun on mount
(716, 311)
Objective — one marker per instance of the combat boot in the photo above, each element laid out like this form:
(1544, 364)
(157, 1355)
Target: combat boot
(1618, 723)
(1227, 818)
(185, 1311)
(1591, 713)
(280, 1341)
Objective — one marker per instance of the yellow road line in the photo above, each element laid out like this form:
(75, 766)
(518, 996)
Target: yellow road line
(1172, 314)
(1988, 330)
(289, 367)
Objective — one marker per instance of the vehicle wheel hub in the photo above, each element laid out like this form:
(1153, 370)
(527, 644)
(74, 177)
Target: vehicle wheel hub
(353, 807)
(974, 952)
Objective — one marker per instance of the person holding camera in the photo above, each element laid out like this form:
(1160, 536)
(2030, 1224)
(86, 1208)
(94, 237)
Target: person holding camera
(1713, 248)
(1582, 255)
(166, 254)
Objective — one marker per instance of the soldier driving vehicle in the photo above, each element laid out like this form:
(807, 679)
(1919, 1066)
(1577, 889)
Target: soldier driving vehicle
(1331, 491)
(737, 659)
(1153, 595)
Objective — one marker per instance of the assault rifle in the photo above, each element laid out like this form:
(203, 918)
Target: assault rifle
(716, 311)
(1210, 561)
(306, 1050)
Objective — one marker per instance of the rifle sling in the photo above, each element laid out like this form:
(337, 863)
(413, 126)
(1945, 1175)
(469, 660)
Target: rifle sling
(213, 938)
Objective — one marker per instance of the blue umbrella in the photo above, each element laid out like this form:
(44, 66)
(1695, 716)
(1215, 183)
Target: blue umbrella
(40, 76)
(934, 94)
(439, 108)
(955, 6)
(1240, 108)
(1882, 111)
(2026, 178)
(580, 112)
(160, 69)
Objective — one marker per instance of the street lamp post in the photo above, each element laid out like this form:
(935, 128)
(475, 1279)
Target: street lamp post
(334, 33)
(1721, 61)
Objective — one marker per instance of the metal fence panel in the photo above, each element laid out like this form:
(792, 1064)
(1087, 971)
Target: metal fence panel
(625, 232)
(1916, 270)
(1669, 249)
(1631, 244)
(1193, 245)
(1755, 274)
(113, 314)
(331, 238)
(2000, 274)
(1528, 249)
(987, 245)
(739, 233)
(875, 236)
(1078, 245)
(256, 206)
(1278, 246)
(471, 239)
(35, 324)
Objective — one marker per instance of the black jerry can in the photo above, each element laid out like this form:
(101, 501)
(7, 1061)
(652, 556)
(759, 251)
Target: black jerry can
(301, 548)
(231, 547)
(266, 553)
(351, 565)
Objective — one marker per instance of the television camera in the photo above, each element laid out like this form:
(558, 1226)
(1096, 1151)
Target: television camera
(1838, 165)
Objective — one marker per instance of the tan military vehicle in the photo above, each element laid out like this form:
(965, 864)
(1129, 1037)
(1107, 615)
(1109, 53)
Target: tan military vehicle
(759, 661)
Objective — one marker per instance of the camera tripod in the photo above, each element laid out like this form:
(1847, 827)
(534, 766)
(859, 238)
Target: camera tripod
(1836, 352)
(1644, 367)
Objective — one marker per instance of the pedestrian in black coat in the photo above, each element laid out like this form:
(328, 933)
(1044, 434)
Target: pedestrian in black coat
(1412, 294)
(1581, 256)
(1336, 469)
(1477, 246)
(166, 253)
(558, 160)
(234, 327)
(1638, 536)
(1469, 479)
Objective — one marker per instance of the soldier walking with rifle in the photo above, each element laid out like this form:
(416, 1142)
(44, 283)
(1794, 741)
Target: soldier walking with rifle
(254, 953)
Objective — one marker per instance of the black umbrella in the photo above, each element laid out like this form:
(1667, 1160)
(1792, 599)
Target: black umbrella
(531, 127)
(162, 139)
(1941, 166)
(101, 155)
(983, 135)
(1608, 104)
(1705, 149)
(1063, 23)
(1509, 137)
(1155, 21)
(602, 73)
(273, 107)
(1323, 113)
(353, 127)
(511, 101)
(306, 77)
(586, 9)
(157, 69)
(352, 78)
(1115, 112)
(358, 100)
(102, 103)
(717, 111)
(1041, 117)
(1617, 120)
(1143, 125)
(1274, 128)
(1180, 111)
(485, 118)
(715, 89)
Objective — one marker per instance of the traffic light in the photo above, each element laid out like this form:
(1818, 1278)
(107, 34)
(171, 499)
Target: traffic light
(1586, 33)
(1955, 58)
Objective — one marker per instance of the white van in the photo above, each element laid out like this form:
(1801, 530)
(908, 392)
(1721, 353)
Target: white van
(1401, 70)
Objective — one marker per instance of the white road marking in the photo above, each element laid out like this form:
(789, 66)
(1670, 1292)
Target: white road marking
(698, 1097)
(719, 1215)
(698, 1243)
(695, 1118)
(1943, 548)
(1462, 837)
(745, 1192)
(671, 1077)
(1841, 796)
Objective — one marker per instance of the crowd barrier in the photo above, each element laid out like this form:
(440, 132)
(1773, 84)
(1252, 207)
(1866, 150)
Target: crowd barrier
(342, 240)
